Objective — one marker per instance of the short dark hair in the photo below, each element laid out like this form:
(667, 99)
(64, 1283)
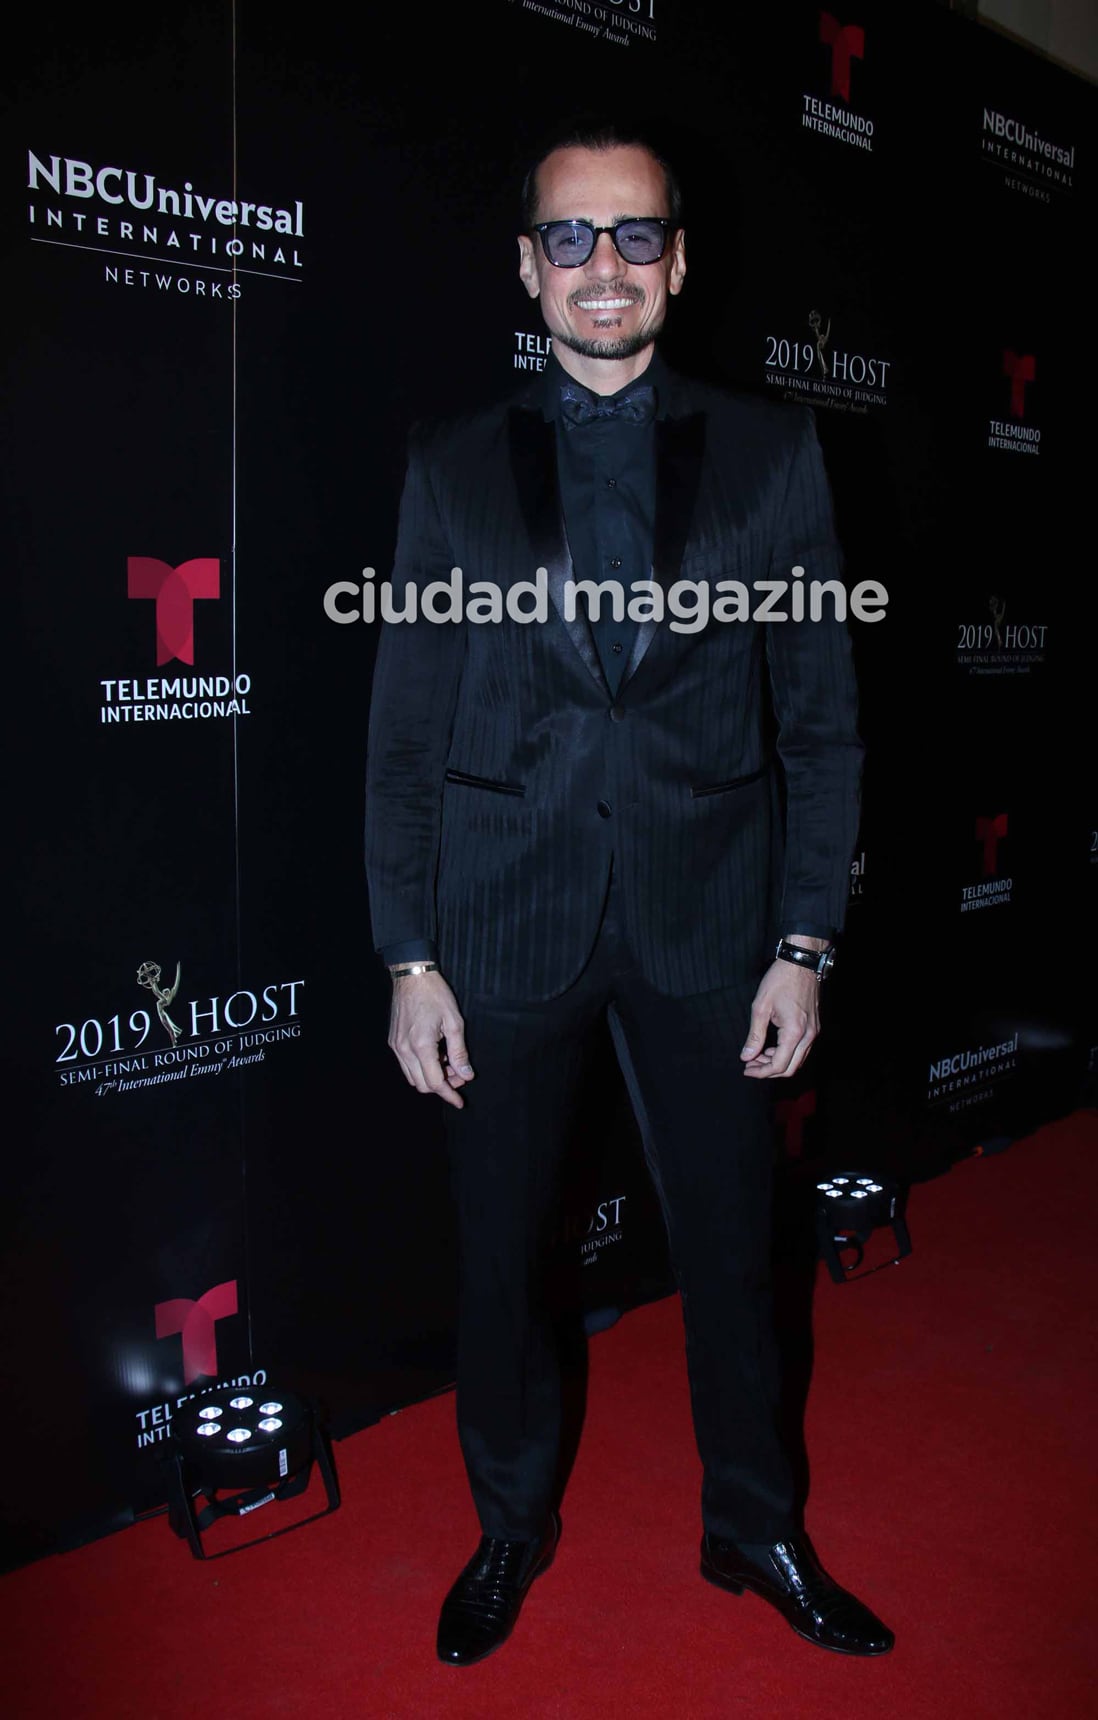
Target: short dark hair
(598, 133)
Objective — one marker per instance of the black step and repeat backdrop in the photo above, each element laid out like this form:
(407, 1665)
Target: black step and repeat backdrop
(244, 252)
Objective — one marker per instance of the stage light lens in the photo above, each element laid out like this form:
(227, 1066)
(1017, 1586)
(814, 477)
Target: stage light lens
(210, 1414)
(270, 1409)
(270, 1424)
(842, 1181)
(876, 1188)
(241, 1403)
(865, 1182)
(826, 1187)
(858, 1194)
(239, 1434)
(207, 1428)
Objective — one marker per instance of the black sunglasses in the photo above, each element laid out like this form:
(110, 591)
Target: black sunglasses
(568, 244)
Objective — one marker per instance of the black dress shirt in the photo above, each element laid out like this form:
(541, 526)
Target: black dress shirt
(607, 475)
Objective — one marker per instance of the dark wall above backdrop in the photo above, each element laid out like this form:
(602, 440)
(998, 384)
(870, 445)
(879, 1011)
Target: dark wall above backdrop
(245, 256)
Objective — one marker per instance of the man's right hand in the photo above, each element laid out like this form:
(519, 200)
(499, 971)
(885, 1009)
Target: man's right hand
(424, 1013)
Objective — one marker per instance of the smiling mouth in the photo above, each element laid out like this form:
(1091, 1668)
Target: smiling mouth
(604, 304)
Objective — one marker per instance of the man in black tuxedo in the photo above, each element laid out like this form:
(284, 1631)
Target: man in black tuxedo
(571, 816)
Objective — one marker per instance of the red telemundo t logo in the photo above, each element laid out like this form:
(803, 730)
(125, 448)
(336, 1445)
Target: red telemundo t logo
(194, 1322)
(792, 1115)
(847, 42)
(991, 831)
(1021, 368)
(173, 590)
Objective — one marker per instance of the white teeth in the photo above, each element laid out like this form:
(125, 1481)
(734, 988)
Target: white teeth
(604, 304)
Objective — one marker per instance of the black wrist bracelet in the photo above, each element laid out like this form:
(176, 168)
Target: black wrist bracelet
(819, 961)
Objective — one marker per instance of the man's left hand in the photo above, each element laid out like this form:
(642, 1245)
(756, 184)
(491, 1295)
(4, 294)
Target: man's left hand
(788, 997)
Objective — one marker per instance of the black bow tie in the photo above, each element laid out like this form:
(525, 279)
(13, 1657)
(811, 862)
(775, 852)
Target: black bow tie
(578, 405)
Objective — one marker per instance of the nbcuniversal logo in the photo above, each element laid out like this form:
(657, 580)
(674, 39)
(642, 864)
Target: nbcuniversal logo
(128, 218)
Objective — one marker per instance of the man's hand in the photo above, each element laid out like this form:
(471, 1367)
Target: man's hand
(788, 996)
(425, 1012)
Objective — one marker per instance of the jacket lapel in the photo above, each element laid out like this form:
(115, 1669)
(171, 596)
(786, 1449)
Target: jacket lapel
(533, 449)
(680, 445)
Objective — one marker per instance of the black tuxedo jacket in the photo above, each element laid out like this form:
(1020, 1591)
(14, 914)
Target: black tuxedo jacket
(502, 776)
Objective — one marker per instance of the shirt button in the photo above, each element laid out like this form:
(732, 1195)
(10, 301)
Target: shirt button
(611, 483)
(617, 712)
(603, 809)
(616, 647)
(616, 562)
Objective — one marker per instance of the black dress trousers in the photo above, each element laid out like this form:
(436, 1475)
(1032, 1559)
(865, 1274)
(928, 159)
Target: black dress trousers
(707, 1133)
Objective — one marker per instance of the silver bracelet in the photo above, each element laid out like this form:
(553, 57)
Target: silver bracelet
(407, 968)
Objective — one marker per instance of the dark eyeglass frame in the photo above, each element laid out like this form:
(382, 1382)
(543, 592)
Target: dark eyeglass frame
(542, 230)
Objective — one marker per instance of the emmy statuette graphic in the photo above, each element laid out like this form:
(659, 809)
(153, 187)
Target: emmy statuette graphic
(148, 975)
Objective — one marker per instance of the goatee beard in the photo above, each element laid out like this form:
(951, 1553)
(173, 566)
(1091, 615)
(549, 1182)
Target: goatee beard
(609, 346)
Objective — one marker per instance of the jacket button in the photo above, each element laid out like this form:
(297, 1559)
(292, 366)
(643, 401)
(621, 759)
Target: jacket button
(603, 809)
(617, 712)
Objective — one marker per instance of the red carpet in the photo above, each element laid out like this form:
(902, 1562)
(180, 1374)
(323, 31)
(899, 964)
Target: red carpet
(950, 1427)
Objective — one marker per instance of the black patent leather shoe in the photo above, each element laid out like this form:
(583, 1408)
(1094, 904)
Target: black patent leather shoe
(480, 1611)
(797, 1585)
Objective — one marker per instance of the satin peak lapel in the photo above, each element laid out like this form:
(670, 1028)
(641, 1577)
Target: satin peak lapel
(680, 445)
(533, 445)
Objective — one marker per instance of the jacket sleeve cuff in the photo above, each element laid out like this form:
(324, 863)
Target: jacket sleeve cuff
(411, 950)
(800, 930)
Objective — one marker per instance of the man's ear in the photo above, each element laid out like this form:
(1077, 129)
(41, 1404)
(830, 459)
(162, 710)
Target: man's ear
(528, 266)
(677, 272)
